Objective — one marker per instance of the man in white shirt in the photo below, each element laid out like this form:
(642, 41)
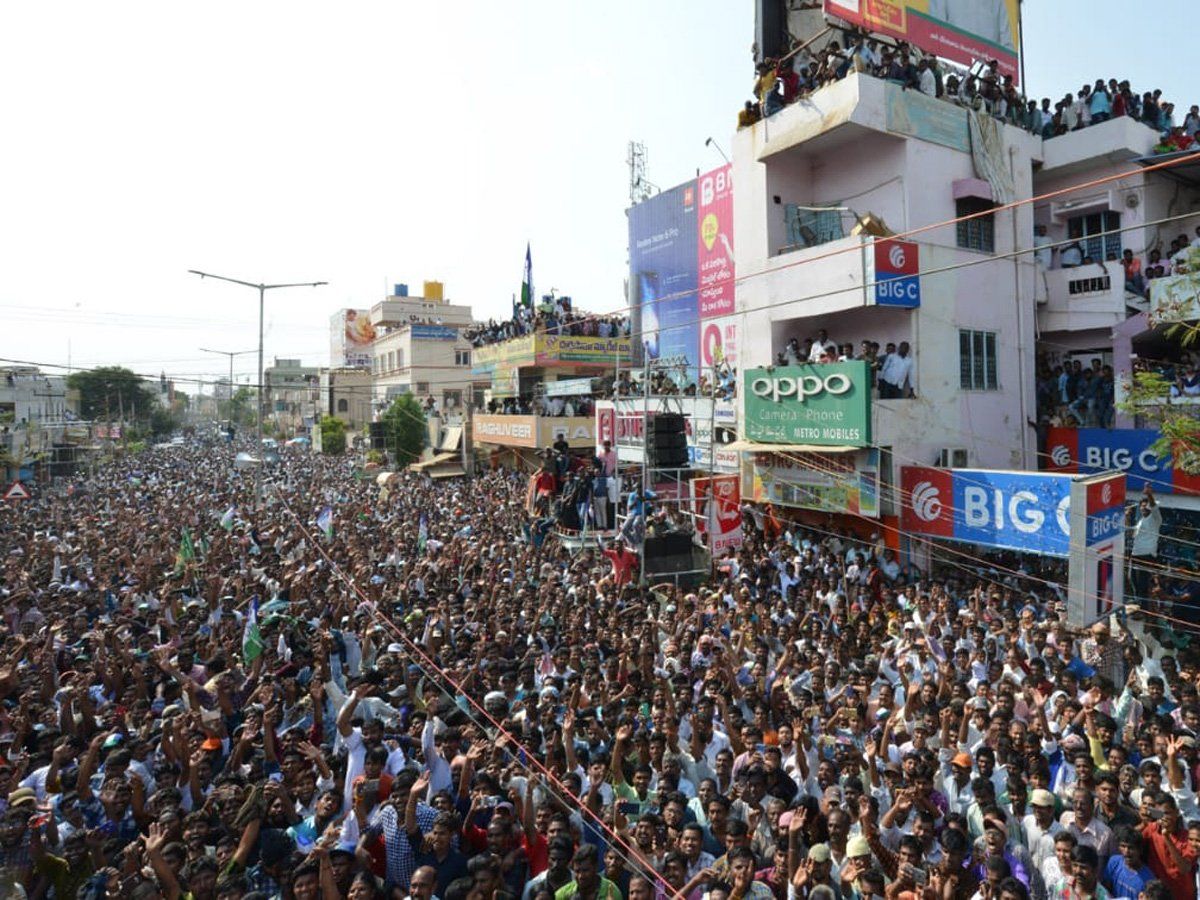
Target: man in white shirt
(896, 373)
(822, 346)
(1144, 551)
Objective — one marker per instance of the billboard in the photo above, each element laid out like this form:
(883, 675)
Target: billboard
(681, 266)
(831, 482)
(719, 344)
(1026, 511)
(1090, 451)
(827, 404)
(959, 30)
(715, 249)
(1095, 587)
(717, 505)
(351, 335)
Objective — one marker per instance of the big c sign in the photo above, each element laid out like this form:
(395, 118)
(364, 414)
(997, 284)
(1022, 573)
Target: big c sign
(1088, 451)
(827, 404)
(897, 274)
(1025, 511)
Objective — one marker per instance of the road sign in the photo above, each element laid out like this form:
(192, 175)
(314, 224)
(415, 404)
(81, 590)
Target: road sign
(16, 492)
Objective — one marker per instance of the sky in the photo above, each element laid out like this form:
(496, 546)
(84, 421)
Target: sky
(368, 144)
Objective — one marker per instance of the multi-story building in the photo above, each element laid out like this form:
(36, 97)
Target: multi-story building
(35, 419)
(420, 348)
(291, 395)
(819, 186)
(346, 394)
(541, 390)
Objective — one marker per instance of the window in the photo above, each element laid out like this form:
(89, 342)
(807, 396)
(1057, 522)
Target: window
(400, 358)
(978, 233)
(343, 405)
(422, 387)
(1090, 231)
(452, 399)
(462, 357)
(977, 360)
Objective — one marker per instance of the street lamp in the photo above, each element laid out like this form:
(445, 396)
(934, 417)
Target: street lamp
(231, 354)
(262, 290)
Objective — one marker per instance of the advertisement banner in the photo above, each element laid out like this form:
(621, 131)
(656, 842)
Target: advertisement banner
(512, 431)
(959, 30)
(717, 505)
(1095, 582)
(433, 333)
(565, 348)
(1027, 511)
(663, 277)
(719, 344)
(578, 431)
(351, 335)
(516, 352)
(831, 482)
(715, 248)
(1089, 451)
(897, 274)
(827, 404)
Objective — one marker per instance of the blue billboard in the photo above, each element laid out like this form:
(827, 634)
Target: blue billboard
(1088, 451)
(1024, 511)
(664, 277)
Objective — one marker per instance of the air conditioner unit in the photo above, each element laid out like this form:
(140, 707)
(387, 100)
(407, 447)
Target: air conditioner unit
(952, 458)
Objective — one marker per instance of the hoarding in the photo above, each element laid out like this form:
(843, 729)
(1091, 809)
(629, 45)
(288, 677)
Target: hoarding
(719, 344)
(663, 276)
(512, 431)
(827, 404)
(717, 505)
(1090, 451)
(831, 482)
(897, 274)
(434, 333)
(582, 350)
(351, 335)
(1095, 584)
(715, 248)
(1026, 511)
(960, 30)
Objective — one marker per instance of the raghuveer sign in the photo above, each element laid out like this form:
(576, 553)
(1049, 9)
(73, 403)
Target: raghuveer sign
(828, 404)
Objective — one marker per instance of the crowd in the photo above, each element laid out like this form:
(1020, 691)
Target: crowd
(554, 407)
(552, 316)
(891, 369)
(415, 691)
(1072, 394)
(780, 82)
(719, 383)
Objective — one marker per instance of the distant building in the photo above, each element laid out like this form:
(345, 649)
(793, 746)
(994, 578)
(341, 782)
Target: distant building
(345, 393)
(290, 394)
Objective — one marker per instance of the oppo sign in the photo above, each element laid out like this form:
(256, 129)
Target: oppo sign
(826, 404)
(801, 387)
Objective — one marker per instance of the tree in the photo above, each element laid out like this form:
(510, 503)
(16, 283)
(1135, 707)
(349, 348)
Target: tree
(110, 391)
(1148, 394)
(162, 422)
(404, 429)
(333, 436)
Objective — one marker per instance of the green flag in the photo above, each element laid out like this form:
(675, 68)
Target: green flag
(187, 551)
(252, 644)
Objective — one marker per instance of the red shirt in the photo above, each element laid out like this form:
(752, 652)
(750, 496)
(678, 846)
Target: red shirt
(623, 561)
(1162, 862)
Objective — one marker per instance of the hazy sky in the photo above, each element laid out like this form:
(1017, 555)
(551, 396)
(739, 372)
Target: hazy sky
(370, 143)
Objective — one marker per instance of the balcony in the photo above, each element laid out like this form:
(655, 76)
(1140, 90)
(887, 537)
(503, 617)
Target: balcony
(532, 432)
(1081, 297)
(1115, 141)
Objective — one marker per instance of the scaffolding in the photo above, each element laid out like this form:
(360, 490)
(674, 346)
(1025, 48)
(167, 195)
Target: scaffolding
(653, 389)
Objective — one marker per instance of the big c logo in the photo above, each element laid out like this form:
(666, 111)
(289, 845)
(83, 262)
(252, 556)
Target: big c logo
(802, 387)
(1060, 456)
(926, 501)
(896, 256)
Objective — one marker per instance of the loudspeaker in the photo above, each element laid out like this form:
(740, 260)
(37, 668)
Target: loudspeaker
(770, 28)
(377, 436)
(666, 442)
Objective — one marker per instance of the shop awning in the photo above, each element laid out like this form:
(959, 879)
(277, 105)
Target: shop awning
(756, 447)
(448, 472)
(452, 438)
(435, 460)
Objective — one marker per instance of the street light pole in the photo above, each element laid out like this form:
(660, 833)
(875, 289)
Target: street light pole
(231, 354)
(262, 290)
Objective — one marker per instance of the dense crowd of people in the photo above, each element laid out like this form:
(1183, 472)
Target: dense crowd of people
(415, 691)
(780, 82)
(1073, 394)
(891, 366)
(552, 316)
